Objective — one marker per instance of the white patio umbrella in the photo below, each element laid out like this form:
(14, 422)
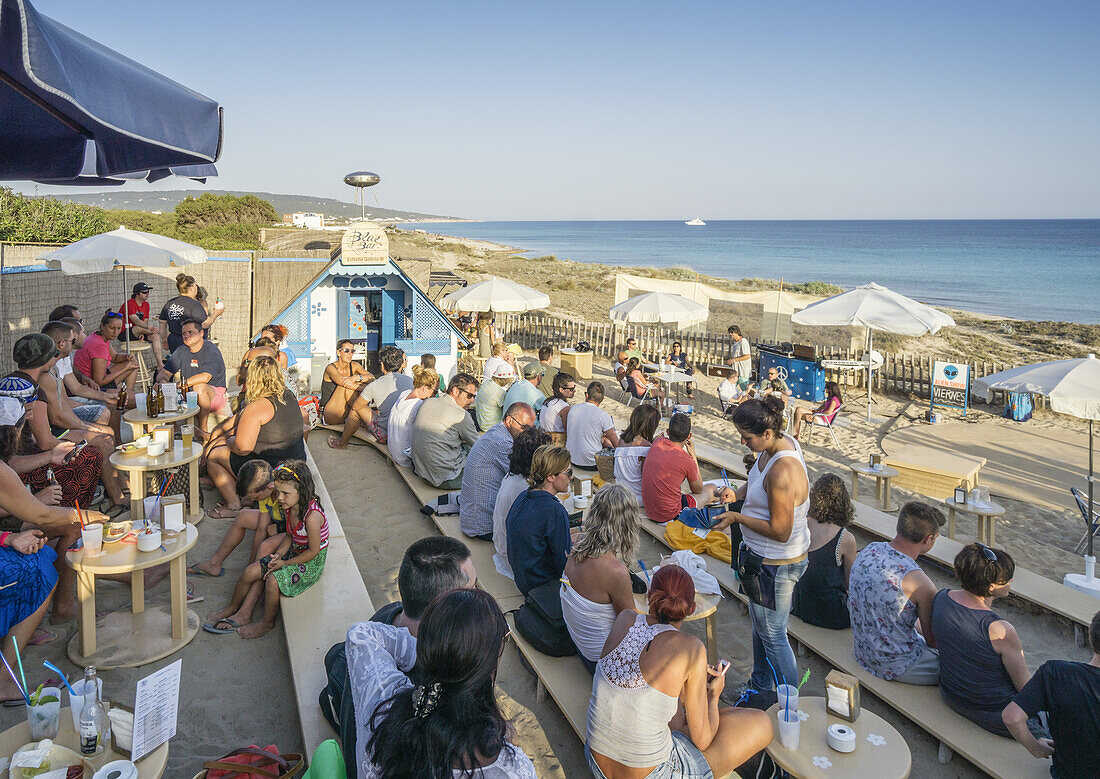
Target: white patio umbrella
(123, 248)
(1073, 388)
(660, 307)
(876, 308)
(495, 294)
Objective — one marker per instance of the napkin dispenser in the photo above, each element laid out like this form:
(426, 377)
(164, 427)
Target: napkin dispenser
(842, 695)
(162, 434)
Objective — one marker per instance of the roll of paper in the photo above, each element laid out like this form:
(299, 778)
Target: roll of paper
(841, 738)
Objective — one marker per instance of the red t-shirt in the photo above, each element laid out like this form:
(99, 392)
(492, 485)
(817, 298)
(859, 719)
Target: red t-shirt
(133, 307)
(666, 467)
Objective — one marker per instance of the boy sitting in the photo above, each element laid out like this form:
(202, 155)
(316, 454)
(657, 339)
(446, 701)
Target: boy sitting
(730, 393)
(268, 519)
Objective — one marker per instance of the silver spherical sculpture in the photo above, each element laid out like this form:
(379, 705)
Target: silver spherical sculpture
(361, 179)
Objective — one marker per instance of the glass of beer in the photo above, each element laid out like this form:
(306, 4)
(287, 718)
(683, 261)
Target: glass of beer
(187, 434)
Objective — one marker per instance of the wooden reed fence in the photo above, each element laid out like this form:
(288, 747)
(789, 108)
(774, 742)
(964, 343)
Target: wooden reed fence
(902, 373)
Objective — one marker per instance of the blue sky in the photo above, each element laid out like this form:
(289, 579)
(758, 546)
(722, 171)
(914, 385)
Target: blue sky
(602, 110)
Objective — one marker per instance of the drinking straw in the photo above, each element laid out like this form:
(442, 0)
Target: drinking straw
(79, 516)
(19, 660)
(776, 677)
(64, 679)
(12, 674)
(163, 489)
(645, 571)
(726, 478)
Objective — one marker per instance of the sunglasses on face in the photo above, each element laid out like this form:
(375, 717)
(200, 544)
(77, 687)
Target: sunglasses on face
(347, 350)
(568, 473)
(569, 389)
(468, 394)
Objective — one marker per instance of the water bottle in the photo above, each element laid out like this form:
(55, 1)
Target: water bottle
(91, 716)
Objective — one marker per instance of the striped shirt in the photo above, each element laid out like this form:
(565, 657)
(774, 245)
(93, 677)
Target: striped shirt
(299, 536)
(486, 467)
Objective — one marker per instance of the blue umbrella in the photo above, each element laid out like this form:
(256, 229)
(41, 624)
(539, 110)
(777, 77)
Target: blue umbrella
(59, 90)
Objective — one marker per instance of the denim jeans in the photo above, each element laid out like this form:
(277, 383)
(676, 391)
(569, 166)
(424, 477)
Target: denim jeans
(769, 632)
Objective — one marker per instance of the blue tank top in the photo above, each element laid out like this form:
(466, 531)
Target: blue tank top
(971, 672)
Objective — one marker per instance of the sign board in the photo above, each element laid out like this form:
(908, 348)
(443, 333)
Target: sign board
(364, 243)
(950, 385)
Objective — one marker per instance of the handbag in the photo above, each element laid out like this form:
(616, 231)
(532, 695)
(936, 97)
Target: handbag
(254, 761)
(539, 620)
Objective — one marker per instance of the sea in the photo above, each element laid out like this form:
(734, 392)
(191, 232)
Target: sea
(1025, 269)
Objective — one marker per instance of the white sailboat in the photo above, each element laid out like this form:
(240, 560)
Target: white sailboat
(696, 222)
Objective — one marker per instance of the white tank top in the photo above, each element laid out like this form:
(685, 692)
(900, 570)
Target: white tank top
(756, 506)
(589, 623)
(628, 719)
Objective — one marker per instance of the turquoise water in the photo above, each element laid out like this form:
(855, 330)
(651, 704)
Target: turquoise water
(1029, 269)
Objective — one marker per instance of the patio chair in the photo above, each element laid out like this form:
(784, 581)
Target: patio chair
(627, 383)
(1093, 526)
(826, 421)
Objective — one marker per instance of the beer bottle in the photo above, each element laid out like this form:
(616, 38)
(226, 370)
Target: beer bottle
(121, 404)
(151, 401)
(92, 717)
(160, 399)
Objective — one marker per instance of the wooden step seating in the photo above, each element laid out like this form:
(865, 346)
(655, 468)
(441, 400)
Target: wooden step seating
(320, 617)
(923, 706)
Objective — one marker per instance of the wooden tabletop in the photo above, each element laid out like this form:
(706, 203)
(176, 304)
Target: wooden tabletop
(983, 509)
(137, 416)
(705, 605)
(936, 460)
(885, 472)
(170, 459)
(149, 767)
(884, 757)
(124, 557)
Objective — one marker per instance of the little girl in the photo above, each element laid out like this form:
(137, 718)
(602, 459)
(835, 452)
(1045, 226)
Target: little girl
(292, 569)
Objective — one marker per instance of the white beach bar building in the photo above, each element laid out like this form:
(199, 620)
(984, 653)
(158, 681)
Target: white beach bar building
(363, 295)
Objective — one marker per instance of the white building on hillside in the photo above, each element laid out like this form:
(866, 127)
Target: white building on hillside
(308, 219)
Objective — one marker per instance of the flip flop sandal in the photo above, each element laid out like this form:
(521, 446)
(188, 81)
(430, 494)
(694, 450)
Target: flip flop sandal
(221, 511)
(192, 597)
(193, 571)
(42, 636)
(116, 509)
(212, 627)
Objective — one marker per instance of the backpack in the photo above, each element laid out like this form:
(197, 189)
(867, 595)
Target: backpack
(336, 701)
(540, 622)
(1019, 407)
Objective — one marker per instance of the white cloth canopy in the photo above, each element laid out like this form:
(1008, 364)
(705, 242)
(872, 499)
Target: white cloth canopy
(1073, 386)
(495, 294)
(877, 308)
(122, 247)
(660, 307)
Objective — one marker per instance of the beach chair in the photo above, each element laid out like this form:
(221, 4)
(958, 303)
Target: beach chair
(628, 386)
(826, 421)
(1093, 526)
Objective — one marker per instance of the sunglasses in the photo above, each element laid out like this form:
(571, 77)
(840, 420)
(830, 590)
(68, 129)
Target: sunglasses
(112, 315)
(347, 350)
(468, 394)
(568, 473)
(990, 555)
(569, 389)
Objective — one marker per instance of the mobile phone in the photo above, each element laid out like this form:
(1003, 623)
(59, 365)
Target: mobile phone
(723, 666)
(75, 545)
(75, 450)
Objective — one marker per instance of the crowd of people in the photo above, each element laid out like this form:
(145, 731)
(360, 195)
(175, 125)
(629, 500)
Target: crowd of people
(417, 678)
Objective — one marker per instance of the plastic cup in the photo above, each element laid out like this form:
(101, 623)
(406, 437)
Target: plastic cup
(76, 703)
(790, 727)
(192, 400)
(92, 535)
(139, 401)
(44, 718)
(187, 436)
(785, 692)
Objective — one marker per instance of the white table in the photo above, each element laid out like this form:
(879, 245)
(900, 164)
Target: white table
(986, 513)
(882, 476)
(668, 378)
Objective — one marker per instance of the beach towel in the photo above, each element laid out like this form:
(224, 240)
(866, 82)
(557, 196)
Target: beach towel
(1019, 407)
(697, 567)
(701, 541)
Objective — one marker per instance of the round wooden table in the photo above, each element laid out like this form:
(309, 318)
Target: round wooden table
(986, 513)
(149, 767)
(880, 750)
(124, 640)
(138, 420)
(882, 478)
(706, 607)
(173, 458)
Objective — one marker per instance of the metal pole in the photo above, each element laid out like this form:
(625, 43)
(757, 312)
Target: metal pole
(870, 343)
(125, 316)
(1088, 519)
(778, 308)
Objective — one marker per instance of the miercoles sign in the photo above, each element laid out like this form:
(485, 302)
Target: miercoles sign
(951, 385)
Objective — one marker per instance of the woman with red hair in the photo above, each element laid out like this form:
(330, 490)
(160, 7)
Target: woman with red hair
(648, 668)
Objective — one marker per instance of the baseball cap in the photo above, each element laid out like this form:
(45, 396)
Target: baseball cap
(34, 350)
(504, 371)
(533, 369)
(11, 411)
(141, 286)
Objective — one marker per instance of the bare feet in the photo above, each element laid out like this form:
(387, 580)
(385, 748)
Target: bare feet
(255, 630)
(216, 616)
(334, 443)
(207, 568)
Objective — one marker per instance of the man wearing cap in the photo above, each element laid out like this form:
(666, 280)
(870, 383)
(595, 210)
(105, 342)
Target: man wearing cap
(489, 403)
(35, 354)
(136, 311)
(526, 390)
(486, 467)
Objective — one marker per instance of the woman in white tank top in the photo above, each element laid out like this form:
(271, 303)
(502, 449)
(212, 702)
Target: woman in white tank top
(647, 670)
(596, 583)
(773, 527)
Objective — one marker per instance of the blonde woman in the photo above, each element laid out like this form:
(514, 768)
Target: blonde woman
(596, 583)
(269, 427)
(537, 524)
(404, 411)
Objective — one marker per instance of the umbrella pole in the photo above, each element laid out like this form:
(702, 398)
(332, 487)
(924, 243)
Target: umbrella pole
(125, 319)
(1088, 520)
(870, 343)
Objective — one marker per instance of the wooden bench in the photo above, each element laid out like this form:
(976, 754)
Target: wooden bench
(934, 472)
(923, 706)
(320, 617)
